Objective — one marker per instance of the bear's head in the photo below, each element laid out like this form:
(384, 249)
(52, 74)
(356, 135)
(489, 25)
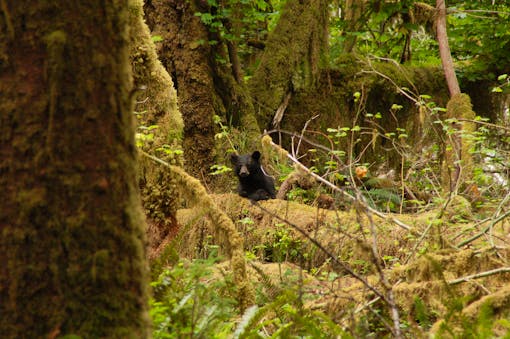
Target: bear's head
(245, 164)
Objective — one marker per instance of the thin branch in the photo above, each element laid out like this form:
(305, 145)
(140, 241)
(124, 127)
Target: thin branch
(303, 131)
(386, 284)
(479, 275)
(344, 193)
(488, 124)
(281, 110)
(469, 11)
(308, 141)
(333, 257)
(485, 230)
(418, 243)
(491, 225)
(397, 87)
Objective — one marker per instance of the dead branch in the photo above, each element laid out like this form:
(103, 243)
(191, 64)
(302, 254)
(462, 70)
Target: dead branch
(267, 139)
(492, 224)
(479, 275)
(333, 257)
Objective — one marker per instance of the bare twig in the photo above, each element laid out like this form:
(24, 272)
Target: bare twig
(479, 275)
(386, 284)
(415, 247)
(303, 131)
(485, 123)
(308, 141)
(281, 110)
(491, 225)
(485, 230)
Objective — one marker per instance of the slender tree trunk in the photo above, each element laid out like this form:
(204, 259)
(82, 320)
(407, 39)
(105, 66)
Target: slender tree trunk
(233, 25)
(71, 227)
(453, 151)
(444, 49)
(353, 12)
(458, 164)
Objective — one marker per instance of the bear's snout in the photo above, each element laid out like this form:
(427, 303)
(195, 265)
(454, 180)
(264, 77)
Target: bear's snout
(244, 172)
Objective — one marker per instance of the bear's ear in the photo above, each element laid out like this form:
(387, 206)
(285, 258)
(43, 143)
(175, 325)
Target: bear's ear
(256, 155)
(233, 158)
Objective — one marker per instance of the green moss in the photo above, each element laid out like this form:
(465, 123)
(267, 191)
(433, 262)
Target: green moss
(196, 195)
(378, 81)
(459, 107)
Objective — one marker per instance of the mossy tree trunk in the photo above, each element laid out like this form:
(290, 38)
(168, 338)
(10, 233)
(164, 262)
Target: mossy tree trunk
(205, 87)
(156, 106)
(186, 55)
(458, 162)
(292, 57)
(72, 231)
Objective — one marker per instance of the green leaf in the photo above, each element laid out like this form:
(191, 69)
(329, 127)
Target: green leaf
(157, 38)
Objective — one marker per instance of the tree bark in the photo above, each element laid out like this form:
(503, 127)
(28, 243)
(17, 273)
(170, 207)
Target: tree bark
(72, 230)
(205, 87)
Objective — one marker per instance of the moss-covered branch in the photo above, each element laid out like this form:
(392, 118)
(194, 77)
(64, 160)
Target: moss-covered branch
(196, 195)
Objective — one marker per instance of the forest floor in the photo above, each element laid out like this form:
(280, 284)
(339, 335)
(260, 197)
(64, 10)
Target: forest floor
(442, 266)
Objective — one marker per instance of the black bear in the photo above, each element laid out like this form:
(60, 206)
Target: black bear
(254, 183)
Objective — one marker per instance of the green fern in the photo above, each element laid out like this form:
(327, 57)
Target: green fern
(382, 198)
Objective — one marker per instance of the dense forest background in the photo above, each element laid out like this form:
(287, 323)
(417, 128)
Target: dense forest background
(385, 125)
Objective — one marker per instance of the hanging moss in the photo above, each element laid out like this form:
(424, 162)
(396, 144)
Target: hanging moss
(156, 105)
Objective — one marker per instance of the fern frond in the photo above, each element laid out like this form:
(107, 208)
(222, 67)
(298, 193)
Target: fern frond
(246, 319)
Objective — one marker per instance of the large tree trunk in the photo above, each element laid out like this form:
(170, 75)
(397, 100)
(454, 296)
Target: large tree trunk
(292, 57)
(186, 55)
(72, 231)
(205, 87)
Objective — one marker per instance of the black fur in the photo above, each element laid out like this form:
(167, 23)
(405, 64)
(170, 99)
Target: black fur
(254, 184)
